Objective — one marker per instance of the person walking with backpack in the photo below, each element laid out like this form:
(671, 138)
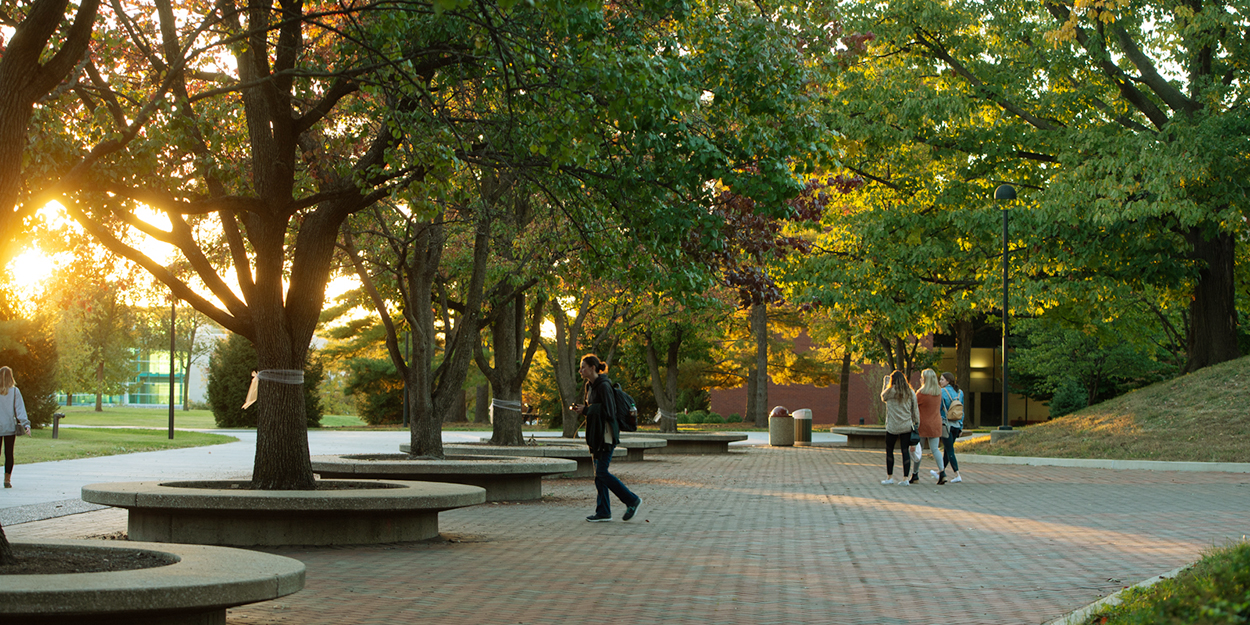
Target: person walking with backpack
(603, 434)
(953, 416)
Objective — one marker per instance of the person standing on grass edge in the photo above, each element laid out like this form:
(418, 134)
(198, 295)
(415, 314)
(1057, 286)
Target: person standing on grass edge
(12, 420)
(603, 434)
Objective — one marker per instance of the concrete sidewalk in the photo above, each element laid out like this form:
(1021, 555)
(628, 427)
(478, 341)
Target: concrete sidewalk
(771, 535)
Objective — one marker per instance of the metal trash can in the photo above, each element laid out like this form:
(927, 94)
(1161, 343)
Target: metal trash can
(802, 427)
(780, 428)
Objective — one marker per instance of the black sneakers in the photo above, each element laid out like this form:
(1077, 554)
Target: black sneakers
(594, 518)
(630, 511)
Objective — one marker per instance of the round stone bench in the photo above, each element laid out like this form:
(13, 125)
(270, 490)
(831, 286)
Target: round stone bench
(698, 443)
(634, 447)
(504, 478)
(340, 512)
(863, 437)
(197, 588)
(580, 453)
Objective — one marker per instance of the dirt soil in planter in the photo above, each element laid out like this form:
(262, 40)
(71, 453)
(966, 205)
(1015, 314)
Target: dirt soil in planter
(41, 560)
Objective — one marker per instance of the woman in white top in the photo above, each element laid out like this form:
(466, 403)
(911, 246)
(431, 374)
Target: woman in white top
(12, 417)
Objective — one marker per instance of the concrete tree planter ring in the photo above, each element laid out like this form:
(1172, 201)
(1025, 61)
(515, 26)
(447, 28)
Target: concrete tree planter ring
(634, 447)
(226, 512)
(585, 464)
(196, 589)
(695, 443)
(504, 478)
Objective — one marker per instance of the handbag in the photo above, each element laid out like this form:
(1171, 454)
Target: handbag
(18, 430)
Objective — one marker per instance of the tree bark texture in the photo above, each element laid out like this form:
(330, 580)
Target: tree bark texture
(1213, 310)
(664, 384)
(481, 406)
(844, 390)
(565, 360)
(759, 331)
(24, 79)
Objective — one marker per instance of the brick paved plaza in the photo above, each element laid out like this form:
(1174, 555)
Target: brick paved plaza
(771, 535)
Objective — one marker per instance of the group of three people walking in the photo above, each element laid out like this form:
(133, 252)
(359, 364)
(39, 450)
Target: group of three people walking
(915, 419)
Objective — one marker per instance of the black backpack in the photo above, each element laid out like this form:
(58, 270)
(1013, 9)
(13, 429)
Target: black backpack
(626, 410)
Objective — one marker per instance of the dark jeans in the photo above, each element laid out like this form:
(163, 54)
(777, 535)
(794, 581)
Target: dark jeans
(605, 482)
(905, 440)
(948, 448)
(8, 452)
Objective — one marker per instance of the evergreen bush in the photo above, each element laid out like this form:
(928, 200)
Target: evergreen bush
(378, 389)
(230, 376)
(1068, 398)
(734, 418)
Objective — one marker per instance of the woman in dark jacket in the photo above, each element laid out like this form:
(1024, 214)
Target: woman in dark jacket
(603, 434)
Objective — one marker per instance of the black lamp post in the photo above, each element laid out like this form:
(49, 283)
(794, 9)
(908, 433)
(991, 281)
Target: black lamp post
(173, 308)
(1005, 192)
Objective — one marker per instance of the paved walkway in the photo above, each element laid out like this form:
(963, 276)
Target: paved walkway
(770, 535)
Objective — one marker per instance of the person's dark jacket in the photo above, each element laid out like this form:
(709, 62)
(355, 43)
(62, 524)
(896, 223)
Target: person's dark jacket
(600, 413)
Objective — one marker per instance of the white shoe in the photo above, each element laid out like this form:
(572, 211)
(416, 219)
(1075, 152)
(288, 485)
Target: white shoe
(904, 483)
(889, 481)
(933, 473)
(957, 479)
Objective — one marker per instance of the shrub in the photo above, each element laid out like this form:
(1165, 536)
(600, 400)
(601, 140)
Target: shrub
(1068, 398)
(696, 416)
(230, 375)
(378, 390)
(712, 417)
(33, 358)
(734, 418)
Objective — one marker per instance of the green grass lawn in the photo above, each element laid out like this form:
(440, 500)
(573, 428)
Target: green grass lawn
(1216, 589)
(91, 442)
(130, 416)
(1198, 417)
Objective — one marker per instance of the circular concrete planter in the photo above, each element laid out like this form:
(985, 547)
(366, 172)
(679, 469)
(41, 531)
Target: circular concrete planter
(634, 447)
(196, 589)
(228, 513)
(696, 443)
(504, 478)
(585, 464)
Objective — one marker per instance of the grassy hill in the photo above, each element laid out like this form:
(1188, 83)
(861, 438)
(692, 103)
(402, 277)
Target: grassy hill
(1200, 417)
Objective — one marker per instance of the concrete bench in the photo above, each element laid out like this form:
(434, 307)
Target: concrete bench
(862, 437)
(340, 512)
(504, 478)
(697, 443)
(580, 453)
(634, 447)
(197, 588)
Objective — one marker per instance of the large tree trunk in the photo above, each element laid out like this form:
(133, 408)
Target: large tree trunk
(481, 407)
(664, 386)
(964, 331)
(1213, 310)
(6, 550)
(844, 389)
(512, 362)
(759, 330)
(752, 380)
(30, 68)
(564, 361)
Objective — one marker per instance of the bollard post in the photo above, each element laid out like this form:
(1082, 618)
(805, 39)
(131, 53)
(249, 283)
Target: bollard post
(56, 423)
